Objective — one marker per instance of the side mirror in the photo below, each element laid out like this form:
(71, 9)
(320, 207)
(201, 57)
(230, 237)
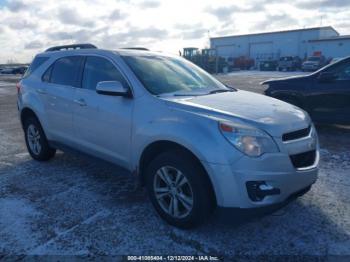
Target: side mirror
(326, 77)
(112, 88)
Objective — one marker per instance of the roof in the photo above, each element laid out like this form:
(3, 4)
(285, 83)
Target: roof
(279, 32)
(337, 38)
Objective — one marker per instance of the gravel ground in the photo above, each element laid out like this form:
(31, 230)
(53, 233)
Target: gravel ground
(76, 205)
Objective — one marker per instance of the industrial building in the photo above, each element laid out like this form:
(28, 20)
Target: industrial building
(333, 47)
(272, 45)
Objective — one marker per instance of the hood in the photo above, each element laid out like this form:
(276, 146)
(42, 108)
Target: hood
(272, 115)
(287, 79)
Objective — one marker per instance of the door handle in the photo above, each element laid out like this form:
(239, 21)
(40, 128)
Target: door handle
(40, 91)
(80, 102)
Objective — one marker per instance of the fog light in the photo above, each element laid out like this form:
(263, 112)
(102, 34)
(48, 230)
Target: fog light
(258, 190)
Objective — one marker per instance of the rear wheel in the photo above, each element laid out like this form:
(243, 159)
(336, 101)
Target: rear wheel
(37, 144)
(179, 189)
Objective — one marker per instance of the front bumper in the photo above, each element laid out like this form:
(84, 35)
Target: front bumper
(274, 170)
(252, 182)
(241, 215)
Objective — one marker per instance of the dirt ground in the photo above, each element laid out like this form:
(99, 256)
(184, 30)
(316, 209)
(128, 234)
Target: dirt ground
(76, 205)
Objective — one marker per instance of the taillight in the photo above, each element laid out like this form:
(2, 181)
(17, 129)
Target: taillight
(18, 86)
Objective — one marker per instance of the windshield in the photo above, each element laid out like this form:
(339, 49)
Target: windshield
(162, 75)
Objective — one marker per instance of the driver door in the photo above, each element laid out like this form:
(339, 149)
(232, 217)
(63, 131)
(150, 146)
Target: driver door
(103, 123)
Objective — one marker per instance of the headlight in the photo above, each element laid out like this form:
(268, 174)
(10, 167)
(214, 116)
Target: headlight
(249, 140)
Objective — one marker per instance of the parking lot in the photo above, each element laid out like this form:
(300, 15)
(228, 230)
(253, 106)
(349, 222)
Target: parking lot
(82, 206)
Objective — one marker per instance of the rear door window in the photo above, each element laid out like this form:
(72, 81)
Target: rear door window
(38, 61)
(66, 71)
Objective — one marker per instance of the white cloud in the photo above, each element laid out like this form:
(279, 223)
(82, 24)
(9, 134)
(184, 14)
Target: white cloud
(70, 16)
(30, 26)
(149, 4)
(34, 45)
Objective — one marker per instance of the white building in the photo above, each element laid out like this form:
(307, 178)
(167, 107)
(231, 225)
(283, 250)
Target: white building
(272, 45)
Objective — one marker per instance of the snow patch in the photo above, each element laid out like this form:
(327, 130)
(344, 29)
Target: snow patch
(15, 229)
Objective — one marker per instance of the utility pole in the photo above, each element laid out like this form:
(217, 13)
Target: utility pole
(208, 38)
(216, 61)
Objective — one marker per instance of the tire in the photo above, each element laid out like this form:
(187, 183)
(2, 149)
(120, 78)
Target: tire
(195, 186)
(36, 141)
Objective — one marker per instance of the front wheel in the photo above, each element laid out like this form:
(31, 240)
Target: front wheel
(179, 189)
(37, 144)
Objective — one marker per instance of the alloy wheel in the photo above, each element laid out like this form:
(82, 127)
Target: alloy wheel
(33, 137)
(173, 192)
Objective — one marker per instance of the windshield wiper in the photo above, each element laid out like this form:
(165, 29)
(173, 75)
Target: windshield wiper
(196, 93)
(215, 91)
(188, 94)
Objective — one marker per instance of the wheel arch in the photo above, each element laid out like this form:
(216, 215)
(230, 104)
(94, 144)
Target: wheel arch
(28, 112)
(157, 147)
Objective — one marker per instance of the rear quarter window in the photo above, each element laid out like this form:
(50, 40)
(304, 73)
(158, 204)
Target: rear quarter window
(46, 76)
(38, 61)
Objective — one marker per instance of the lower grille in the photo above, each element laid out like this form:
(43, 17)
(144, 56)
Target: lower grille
(303, 159)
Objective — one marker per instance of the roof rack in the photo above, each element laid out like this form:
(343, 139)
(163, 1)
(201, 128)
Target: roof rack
(137, 48)
(68, 47)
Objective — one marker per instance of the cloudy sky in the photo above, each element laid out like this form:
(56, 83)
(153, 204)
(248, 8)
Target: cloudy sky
(30, 26)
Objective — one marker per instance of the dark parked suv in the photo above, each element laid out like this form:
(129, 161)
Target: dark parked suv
(324, 94)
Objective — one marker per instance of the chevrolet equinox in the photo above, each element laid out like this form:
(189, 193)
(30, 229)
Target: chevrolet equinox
(194, 143)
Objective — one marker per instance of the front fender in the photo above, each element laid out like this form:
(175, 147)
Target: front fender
(198, 133)
(195, 132)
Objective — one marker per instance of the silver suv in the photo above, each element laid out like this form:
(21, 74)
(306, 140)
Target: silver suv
(195, 143)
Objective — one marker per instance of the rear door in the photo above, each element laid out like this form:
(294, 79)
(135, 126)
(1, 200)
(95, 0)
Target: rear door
(63, 77)
(330, 101)
(103, 123)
